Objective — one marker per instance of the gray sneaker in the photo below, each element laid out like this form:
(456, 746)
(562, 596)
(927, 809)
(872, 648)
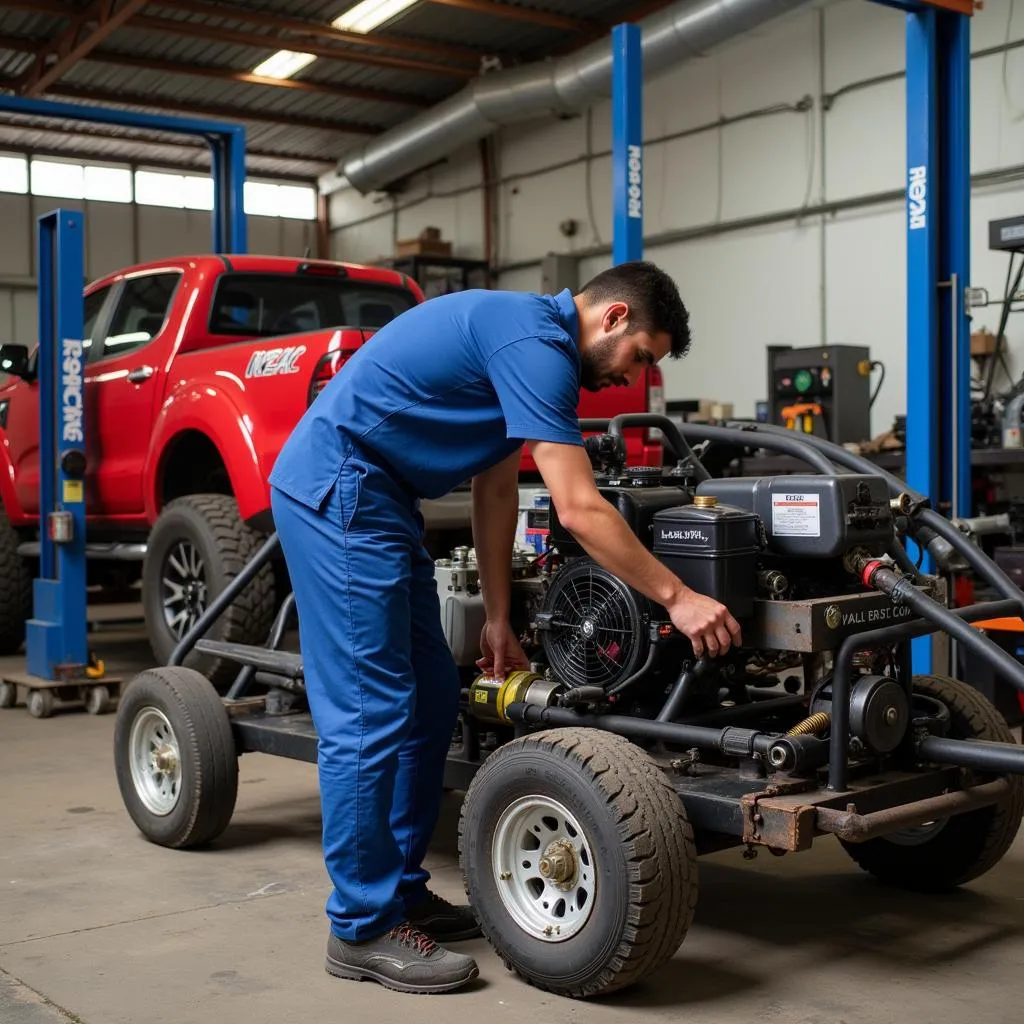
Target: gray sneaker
(404, 959)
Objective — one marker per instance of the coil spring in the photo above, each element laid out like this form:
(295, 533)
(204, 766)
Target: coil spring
(810, 726)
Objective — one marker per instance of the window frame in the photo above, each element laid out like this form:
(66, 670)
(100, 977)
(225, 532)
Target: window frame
(224, 280)
(103, 356)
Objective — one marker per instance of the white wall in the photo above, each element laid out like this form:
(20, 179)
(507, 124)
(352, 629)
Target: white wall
(116, 235)
(837, 279)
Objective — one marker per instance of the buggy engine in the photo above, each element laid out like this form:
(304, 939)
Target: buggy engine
(790, 557)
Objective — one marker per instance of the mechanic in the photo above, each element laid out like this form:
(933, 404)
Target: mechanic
(448, 391)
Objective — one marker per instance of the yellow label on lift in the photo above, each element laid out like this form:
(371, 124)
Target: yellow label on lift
(73, 491)
(480, 696)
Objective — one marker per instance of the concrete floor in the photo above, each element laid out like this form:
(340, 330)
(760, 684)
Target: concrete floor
(97, 926)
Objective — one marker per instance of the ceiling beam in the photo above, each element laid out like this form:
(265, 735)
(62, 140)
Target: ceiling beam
(350, 92)
(302, 27)
(171, 26)
(187, 107)
(25, 45)
(499, 10)
(85, 32)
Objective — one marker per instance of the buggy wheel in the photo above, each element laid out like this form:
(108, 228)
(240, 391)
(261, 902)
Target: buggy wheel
(948, 852)
(8, 695)
(579, 860)
(175, 758)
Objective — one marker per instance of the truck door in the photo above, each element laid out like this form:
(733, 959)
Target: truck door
(124, 381)
(22, 414)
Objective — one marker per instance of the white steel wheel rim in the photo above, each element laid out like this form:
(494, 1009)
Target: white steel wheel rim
(155, 759)
(545, 909)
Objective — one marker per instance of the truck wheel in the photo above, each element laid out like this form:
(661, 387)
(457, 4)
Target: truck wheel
(16, 593)
(943, 854)
(175, 758)
(198, 545)
(579, 859)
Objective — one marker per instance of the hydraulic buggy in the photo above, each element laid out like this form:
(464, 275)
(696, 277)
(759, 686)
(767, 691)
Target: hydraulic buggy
(594, 782)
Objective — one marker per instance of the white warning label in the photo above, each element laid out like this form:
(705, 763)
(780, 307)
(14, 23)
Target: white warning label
(796, 515)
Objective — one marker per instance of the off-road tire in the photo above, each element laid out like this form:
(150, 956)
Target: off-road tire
(969, 844)
(16, 592)
(207, 756)
(210, 522)
(646, 860)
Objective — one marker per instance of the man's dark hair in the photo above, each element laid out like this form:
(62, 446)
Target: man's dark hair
(652, 297)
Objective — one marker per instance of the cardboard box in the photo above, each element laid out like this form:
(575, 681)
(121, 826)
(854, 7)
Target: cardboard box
(428, 243)
(422, 247)
(983, 343)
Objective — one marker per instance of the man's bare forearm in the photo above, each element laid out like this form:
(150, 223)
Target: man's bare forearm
(607, 538)
(494, 514)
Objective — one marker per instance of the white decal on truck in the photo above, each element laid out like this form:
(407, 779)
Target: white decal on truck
(71, 392)
(271, 362)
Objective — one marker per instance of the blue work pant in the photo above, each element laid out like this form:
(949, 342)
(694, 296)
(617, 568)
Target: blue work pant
(383, 688)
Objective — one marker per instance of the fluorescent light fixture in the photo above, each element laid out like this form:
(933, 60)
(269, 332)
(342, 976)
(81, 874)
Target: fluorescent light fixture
(368, 14)
(283, 64)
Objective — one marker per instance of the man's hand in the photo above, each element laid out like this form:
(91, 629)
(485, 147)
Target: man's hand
(706, 623)
(501, 650)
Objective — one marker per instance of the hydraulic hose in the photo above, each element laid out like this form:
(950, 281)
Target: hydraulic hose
(668, 428)
(922, 519)
(902, 591)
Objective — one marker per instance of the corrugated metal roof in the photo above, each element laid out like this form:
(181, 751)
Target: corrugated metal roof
(288, 130)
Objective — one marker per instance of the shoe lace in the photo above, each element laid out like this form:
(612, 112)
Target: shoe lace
(413, 938)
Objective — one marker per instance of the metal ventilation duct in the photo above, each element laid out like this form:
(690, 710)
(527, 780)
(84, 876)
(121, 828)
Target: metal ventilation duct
(550, 88)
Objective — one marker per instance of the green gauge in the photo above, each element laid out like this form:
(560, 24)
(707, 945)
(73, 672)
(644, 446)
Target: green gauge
(802, 380)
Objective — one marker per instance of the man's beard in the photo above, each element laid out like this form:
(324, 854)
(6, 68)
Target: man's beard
(595, 363)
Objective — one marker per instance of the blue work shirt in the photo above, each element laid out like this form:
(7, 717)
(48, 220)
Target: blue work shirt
(442, 392)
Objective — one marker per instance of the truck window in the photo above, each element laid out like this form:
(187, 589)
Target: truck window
(140, 314)
(94, 302)
(266, 305)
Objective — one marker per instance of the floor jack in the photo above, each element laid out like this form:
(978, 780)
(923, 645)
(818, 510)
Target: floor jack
(60, 668)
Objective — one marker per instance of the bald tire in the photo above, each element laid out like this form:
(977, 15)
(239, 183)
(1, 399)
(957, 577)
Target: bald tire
(969, 844)
(644, 852)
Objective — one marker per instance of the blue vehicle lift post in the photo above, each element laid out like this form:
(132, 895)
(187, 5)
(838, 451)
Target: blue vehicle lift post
(938, 451)
(56, 636)
(227, 150)
(938, 264)
(627, 145)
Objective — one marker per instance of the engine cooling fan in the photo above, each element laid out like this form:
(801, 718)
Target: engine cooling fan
(595, 634)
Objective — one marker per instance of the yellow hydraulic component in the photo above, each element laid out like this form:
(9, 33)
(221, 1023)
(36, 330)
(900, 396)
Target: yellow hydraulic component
(490, 698)
(95, 669)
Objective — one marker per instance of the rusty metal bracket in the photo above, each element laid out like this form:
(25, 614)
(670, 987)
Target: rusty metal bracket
(858, 828)
(774, 819)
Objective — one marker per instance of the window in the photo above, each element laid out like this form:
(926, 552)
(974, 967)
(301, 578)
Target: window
(93, 304)
(108, 184)
(63, 181)
(266, 305)
(155, 189)
(14, 174)
(140, 314)
(267, 200)
(198, 193)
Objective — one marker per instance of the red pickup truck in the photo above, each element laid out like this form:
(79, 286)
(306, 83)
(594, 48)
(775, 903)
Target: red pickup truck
(197, 369)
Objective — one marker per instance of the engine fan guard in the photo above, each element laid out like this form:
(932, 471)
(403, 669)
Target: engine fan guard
(595, 630)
